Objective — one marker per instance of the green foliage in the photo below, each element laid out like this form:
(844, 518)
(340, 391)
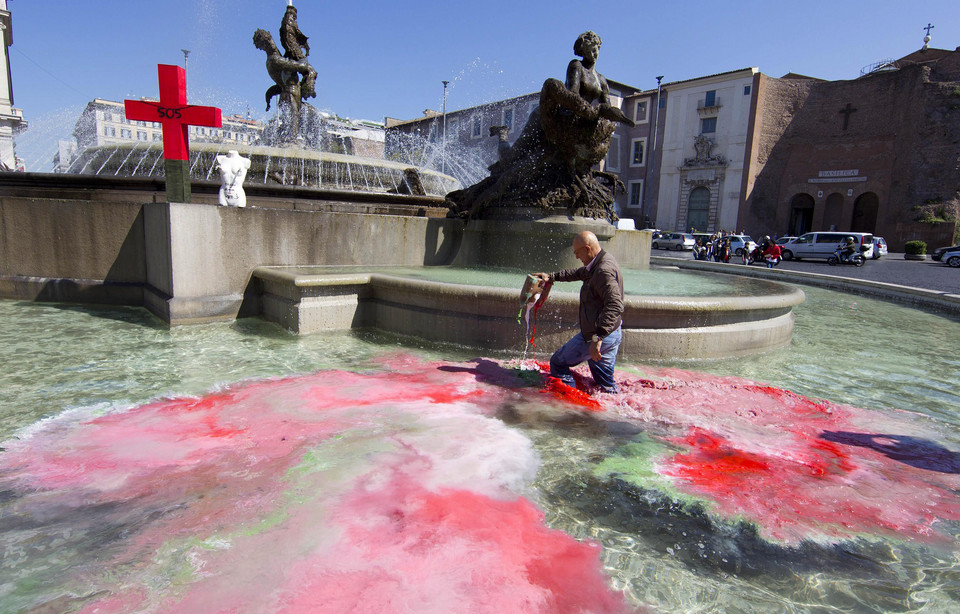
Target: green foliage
(915, 247)
(939, 211)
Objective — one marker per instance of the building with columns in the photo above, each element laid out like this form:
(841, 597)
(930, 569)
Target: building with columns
(11, 119)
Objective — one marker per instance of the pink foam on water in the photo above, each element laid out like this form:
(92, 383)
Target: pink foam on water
(383, 530)
(408, 549)
(122, 453)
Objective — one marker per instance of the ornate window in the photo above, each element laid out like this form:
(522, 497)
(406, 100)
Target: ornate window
(508, 118)
(613, 155)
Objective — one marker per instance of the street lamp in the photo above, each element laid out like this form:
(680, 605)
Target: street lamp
(186, 52)
(653, 153)
(443, 138)
(656, 121)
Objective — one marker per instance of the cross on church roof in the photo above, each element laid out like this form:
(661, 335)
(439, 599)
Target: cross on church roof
(846, 111)
(173, 112)
(928, 27)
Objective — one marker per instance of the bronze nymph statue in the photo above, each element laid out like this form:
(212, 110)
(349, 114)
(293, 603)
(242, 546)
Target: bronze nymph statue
(549, 169)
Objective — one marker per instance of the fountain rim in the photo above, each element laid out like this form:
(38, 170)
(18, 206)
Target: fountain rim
(789, 295)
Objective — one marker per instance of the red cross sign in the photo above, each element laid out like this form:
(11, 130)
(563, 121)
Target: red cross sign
(173, 112)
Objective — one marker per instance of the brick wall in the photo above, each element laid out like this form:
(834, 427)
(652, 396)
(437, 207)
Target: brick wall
(903, 141)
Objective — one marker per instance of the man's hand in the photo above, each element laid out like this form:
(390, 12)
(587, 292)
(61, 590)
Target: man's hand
(595, 349)
(544, 277)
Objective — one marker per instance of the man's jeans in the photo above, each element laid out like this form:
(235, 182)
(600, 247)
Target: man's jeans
(577, 350)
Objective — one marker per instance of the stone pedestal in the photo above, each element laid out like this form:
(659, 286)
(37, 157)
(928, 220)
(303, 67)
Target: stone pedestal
(188, 278)
(177, 176)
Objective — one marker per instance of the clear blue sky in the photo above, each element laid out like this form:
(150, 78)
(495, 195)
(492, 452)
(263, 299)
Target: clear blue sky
(386, 58)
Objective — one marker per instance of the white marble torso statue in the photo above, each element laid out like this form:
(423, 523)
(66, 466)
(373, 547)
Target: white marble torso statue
(233, 169)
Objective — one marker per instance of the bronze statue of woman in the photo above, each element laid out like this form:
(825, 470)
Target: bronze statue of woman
(584, 85)
(578, 112)
(551, 164)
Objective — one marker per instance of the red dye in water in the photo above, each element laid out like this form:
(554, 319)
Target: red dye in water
(571, 395)
(757, 452)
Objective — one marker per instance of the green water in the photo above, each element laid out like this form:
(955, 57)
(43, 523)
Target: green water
(845, 348)
(658, 282)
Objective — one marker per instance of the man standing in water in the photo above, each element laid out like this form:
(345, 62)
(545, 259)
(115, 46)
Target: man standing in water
(601, 309)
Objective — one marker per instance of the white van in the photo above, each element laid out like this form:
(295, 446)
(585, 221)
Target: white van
(822, 244)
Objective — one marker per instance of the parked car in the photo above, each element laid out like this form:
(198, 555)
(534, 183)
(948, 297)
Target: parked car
(741, 243)
(785, 240)
(951, 258)
(879, 247)
(823, 244)
(940, 251)
(675, 240)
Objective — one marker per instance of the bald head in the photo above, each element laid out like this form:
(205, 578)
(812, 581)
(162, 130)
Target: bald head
(586, 247)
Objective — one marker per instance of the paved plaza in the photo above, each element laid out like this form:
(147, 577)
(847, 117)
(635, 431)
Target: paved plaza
(892, 269)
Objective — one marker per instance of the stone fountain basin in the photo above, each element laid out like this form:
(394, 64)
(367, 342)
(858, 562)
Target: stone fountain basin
(304, 301)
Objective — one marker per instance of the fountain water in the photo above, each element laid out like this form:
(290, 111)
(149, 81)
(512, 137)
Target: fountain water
(170, 467)
(270, 166)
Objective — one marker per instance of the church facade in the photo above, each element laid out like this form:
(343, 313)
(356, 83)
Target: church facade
(864, 155)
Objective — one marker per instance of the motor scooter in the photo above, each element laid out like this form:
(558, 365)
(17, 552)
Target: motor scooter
(856, 258)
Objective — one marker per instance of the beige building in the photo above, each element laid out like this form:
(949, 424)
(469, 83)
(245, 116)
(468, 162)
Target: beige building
(104, 122)
(11, 119)
(704, 145)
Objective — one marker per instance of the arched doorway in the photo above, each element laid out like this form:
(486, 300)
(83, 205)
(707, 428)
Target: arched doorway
(801, 214)
(698, 208)
(865, 213)
(833, 212)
